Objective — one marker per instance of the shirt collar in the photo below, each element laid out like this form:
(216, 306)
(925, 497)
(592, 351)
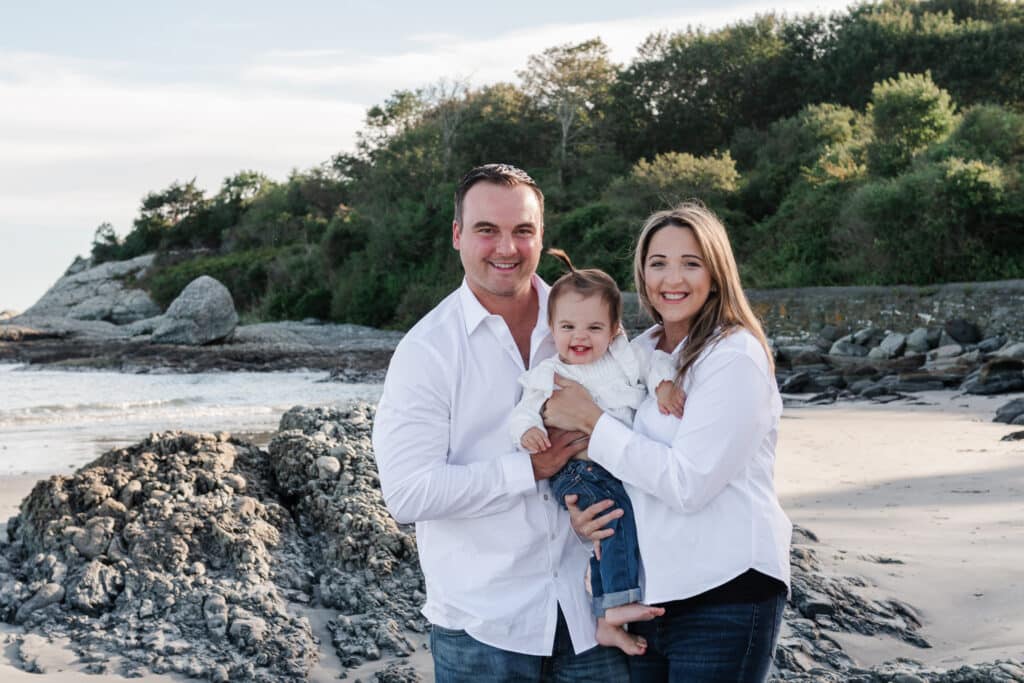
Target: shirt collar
(652, 334)
(474, 313)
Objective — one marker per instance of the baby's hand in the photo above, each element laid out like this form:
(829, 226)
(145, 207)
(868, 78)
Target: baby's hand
(670, 398)
(535, 440)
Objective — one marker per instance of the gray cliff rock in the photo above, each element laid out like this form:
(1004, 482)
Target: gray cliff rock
(102, 292)
(203, 313)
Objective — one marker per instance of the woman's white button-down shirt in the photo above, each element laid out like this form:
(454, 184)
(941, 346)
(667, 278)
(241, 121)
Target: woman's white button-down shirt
(702, 486)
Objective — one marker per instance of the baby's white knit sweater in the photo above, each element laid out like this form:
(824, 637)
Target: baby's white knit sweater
(616, 381)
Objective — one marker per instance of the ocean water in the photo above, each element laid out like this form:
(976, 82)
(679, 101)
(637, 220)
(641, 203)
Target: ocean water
(55, 421)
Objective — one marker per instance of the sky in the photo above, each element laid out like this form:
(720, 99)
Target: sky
(103, 102)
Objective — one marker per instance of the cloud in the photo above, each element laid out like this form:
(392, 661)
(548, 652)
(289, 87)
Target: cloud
(495, 57)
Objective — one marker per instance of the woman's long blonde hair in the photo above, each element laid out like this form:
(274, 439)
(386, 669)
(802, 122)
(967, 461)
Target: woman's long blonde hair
(727, 308)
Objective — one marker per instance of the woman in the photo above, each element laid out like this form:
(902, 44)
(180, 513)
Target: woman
(714, 541)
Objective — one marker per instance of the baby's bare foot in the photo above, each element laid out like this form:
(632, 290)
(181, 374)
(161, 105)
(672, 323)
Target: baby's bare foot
(616, 636)
(634, 611)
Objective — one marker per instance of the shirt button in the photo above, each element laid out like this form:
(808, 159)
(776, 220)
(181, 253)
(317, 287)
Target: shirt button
(556, 574)
(552, 537)
(545, 496)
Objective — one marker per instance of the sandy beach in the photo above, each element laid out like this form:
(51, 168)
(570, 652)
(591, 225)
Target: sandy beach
(933, 487)
(922, 500)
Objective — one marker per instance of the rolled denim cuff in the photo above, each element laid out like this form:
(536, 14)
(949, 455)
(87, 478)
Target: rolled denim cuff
(609, 600)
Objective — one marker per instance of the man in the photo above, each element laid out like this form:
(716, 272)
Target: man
(504, 572)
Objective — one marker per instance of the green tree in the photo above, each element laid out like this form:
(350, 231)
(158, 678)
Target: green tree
(907, 113)
(571, 82)
(106, 246)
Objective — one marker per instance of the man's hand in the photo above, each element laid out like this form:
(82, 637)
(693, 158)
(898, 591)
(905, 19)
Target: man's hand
(587, 524)
(570, 407)
(564, 445)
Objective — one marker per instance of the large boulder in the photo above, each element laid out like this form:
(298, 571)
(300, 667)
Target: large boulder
(203, 313)
(103, 292)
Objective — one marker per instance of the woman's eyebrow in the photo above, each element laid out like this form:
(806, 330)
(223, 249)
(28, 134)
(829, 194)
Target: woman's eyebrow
(650, 256)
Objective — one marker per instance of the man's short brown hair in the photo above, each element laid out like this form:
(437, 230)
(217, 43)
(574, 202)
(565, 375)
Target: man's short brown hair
(499, 174)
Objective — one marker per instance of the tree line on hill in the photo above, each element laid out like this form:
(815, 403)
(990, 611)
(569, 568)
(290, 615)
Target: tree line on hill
(882, 145)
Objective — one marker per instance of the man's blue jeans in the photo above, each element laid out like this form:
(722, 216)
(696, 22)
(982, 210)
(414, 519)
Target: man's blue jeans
(615, 580)
(708, 643)
(460, 658)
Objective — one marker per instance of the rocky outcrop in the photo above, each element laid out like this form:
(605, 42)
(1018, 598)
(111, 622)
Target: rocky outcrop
(103, 292)
(188, 553)
(203, 313)
(885, 365)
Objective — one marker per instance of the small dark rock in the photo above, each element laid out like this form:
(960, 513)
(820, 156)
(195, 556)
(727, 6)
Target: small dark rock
(962, 331)
(1007, 412)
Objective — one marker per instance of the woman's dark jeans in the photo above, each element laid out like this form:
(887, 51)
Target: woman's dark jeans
(615, 580)
(709, 643)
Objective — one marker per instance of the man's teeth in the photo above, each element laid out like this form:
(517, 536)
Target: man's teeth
(504, 266)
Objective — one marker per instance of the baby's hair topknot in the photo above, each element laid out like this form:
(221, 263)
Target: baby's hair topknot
(586, 282)
(563, 257)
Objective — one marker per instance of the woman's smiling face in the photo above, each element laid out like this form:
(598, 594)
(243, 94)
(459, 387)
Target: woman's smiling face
(676, 277)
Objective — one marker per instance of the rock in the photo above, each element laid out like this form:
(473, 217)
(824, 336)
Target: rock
(97, 588)
(847, 348)
(203, 313)
(992, 344)
(146, 326)
(893, 344)
(945, 339)
(1011, 350)
(215, 612)
(1014, 436)
(999, 376)
(828, 335)
(92, 541)
(917, 341)
(49, 594)
(799, 354)
(1007, 412)
(327, 467)
(798, 383)
(962, 331)
(148, 595)
(87, 292)
(868, 337)
(948, 351)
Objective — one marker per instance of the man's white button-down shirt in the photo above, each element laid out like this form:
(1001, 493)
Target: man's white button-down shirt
(497, 551)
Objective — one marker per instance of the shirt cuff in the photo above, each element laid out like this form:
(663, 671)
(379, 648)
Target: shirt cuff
(608, 443)
(518, 472)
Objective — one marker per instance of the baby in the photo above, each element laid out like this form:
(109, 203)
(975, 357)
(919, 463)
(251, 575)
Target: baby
(584, 309)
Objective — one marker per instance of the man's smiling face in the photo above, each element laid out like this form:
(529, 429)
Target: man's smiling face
(499, 240)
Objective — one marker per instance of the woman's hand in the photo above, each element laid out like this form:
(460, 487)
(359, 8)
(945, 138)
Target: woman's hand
(571, 407)
(587, 524)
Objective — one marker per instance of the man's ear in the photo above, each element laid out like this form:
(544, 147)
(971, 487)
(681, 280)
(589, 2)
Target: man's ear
(456, 235)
